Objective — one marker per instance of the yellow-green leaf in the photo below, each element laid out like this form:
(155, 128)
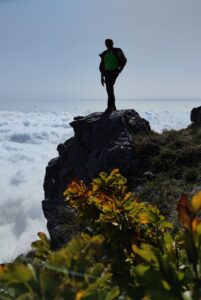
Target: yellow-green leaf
(17, 272)
(196, 202)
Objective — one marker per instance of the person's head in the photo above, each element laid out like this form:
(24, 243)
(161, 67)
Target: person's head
(109, 43)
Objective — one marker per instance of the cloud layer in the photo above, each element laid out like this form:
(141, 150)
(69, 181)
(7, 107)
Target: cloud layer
(27, 142)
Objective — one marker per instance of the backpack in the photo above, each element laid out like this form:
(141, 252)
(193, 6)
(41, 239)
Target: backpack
(120, 58)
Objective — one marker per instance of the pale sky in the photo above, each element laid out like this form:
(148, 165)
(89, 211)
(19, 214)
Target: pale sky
(50, 48)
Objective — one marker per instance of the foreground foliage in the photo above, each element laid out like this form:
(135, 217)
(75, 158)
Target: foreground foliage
(127, 250)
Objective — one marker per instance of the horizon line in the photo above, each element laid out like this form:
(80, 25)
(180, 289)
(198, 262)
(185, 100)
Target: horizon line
(62, 98)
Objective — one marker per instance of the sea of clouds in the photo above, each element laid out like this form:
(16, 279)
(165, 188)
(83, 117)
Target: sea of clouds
(28, 140)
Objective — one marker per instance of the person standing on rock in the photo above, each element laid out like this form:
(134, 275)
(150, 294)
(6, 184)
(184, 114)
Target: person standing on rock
(112, 63)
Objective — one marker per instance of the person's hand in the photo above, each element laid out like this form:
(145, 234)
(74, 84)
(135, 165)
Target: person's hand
(102, 80)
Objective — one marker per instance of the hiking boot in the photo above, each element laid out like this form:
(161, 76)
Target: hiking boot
(110, 109)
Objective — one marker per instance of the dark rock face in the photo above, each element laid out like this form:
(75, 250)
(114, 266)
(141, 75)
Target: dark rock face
(196, 115)
(61, 222)
(101, 142)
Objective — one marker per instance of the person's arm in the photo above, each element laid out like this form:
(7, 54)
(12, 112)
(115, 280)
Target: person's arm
(102, 79)
(102, 70)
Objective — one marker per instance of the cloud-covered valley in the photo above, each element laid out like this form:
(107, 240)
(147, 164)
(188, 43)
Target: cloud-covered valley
(27, 142)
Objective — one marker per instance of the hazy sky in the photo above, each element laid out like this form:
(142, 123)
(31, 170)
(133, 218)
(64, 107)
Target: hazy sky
(49, 48)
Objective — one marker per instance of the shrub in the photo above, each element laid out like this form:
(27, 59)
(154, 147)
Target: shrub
(130, 253)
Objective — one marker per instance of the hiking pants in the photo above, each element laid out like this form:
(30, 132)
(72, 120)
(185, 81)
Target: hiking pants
(110, 78)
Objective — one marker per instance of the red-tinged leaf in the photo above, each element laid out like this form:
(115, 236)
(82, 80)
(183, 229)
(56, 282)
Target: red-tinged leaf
(3, 267)
(185, 213)
(43, 236)
(76, 188)
(102, 198)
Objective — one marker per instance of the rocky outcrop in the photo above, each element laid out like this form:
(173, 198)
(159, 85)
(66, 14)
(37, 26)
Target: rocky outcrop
(196, 115)
(101, 142)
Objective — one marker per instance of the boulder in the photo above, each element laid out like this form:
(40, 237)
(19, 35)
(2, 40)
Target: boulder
(101, 142)
(196, 115)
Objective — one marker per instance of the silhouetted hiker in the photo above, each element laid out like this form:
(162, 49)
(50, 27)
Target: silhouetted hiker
(112, 63)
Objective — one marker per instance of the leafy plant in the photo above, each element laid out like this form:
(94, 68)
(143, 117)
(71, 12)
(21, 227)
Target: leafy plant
(176, 270)
(130, 251)
(74, 272)
(108, 208)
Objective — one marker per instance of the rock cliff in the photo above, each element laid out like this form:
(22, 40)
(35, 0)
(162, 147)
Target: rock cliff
(101, 142)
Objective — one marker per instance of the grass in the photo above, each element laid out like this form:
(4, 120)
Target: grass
(174, 160)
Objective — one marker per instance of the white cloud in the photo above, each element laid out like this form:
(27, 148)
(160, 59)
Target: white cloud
(27, 142)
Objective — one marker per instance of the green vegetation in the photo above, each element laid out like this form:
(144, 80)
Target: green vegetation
(171, 152)
(173, 158)
(129, 251)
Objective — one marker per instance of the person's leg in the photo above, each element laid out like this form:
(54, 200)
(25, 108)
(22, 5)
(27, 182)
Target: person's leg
(110, 79)
(110, 92)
